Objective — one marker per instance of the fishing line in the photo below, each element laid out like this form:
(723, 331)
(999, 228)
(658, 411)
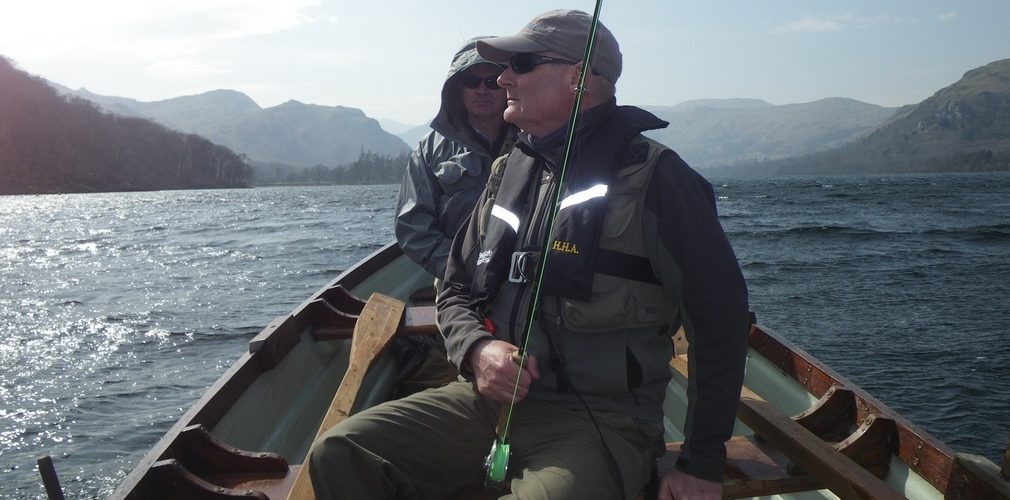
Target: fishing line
(496, 462)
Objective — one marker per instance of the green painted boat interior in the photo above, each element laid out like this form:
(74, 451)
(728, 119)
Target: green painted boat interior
(283, 407)
(281, 411)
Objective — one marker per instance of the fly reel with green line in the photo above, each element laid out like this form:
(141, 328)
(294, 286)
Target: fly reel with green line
(496, 465)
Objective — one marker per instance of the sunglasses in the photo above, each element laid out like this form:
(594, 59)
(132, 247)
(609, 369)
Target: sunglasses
(473, 81)
(525, 62)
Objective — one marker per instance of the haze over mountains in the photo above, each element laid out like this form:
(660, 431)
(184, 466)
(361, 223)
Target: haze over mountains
(733, 136)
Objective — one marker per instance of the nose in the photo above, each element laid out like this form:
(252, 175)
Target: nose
(507, 78)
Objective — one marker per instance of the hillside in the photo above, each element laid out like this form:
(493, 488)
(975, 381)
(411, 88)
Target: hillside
(50, 143)
(963, 127)
(719, 132)
(292, 133)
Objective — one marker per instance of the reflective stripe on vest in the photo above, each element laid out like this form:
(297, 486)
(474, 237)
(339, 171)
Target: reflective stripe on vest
(596, 191)
(506, 216)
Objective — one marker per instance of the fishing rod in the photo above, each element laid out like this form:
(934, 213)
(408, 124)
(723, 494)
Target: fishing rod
(496, 463)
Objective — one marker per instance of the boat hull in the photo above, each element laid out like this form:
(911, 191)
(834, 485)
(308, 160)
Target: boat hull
(247, 435)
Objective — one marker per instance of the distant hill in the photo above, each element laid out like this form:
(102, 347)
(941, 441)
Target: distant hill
(963, 127)
(292, 133)
(718, 132)
(414, 135)
(50, 143)
(393, 126)
(409, 134)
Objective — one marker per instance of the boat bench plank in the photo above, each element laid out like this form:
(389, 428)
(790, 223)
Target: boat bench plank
(417, 320)
(753, 469)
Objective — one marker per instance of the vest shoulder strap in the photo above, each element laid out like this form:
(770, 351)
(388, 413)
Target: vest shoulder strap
(493, 184)
(616, 263)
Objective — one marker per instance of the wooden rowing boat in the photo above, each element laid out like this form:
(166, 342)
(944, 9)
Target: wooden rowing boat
(803, 430)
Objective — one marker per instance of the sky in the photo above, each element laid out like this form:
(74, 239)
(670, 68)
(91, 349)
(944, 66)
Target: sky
(390, 58)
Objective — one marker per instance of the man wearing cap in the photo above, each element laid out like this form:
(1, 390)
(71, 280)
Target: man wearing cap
(636, 250)
(444, 177)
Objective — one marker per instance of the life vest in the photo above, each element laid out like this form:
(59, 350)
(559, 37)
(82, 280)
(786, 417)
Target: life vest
(624, 292)
(598, 264)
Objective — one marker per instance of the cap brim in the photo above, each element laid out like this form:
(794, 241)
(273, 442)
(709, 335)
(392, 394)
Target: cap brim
(500, 49)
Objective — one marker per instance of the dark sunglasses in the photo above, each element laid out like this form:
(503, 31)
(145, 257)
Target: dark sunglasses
(473, 81)
(525, 62)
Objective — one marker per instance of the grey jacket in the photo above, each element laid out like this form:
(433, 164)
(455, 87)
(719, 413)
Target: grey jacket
(445, 174)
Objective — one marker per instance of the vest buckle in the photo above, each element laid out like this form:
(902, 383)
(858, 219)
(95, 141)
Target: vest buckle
(522, 267)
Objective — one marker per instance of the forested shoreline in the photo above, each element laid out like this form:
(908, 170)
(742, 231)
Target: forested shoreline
(369, 168)
(55, 144)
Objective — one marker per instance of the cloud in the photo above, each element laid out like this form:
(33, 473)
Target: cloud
(51, 26)
(824, 24)
(809, 23)
(946, 16)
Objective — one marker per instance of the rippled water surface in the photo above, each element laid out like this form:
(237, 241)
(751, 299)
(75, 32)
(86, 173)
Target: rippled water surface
(118, 310)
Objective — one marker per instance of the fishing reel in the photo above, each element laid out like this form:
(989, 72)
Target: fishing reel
(496, 465)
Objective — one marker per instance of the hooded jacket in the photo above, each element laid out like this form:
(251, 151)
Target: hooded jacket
(445, 174)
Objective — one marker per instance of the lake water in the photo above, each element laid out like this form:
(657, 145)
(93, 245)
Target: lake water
(118, 310)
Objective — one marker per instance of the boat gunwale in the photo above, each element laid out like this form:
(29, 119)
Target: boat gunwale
(921, 452)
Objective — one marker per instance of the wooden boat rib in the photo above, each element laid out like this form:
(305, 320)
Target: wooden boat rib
(803, 430)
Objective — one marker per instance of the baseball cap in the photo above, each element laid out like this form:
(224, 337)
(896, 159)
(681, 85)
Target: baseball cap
(564, 32)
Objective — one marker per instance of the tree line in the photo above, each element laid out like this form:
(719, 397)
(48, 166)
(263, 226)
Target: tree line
(50, 143)
(369, 168)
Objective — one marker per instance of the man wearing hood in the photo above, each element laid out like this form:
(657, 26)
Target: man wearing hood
(450, 166)
(444, 178)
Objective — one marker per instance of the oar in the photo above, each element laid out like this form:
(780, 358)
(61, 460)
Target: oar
(375, 327)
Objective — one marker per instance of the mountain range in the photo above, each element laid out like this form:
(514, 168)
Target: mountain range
(707, 132)
(717, 132)
(966, 121)
(292, 133)
(962, 127)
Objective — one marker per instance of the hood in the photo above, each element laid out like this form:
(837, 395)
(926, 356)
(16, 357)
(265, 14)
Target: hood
(449, 120)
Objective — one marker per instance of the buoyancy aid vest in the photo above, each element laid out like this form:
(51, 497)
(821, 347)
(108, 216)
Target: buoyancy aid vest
(598, 263)
(621, 295)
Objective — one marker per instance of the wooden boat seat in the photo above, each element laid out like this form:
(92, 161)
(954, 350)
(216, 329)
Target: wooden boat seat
(753, 468)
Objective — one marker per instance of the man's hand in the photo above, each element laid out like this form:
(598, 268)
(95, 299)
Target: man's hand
(495, 368)
(680, 486)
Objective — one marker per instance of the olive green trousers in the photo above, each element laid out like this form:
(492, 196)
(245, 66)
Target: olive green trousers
(433, 443)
